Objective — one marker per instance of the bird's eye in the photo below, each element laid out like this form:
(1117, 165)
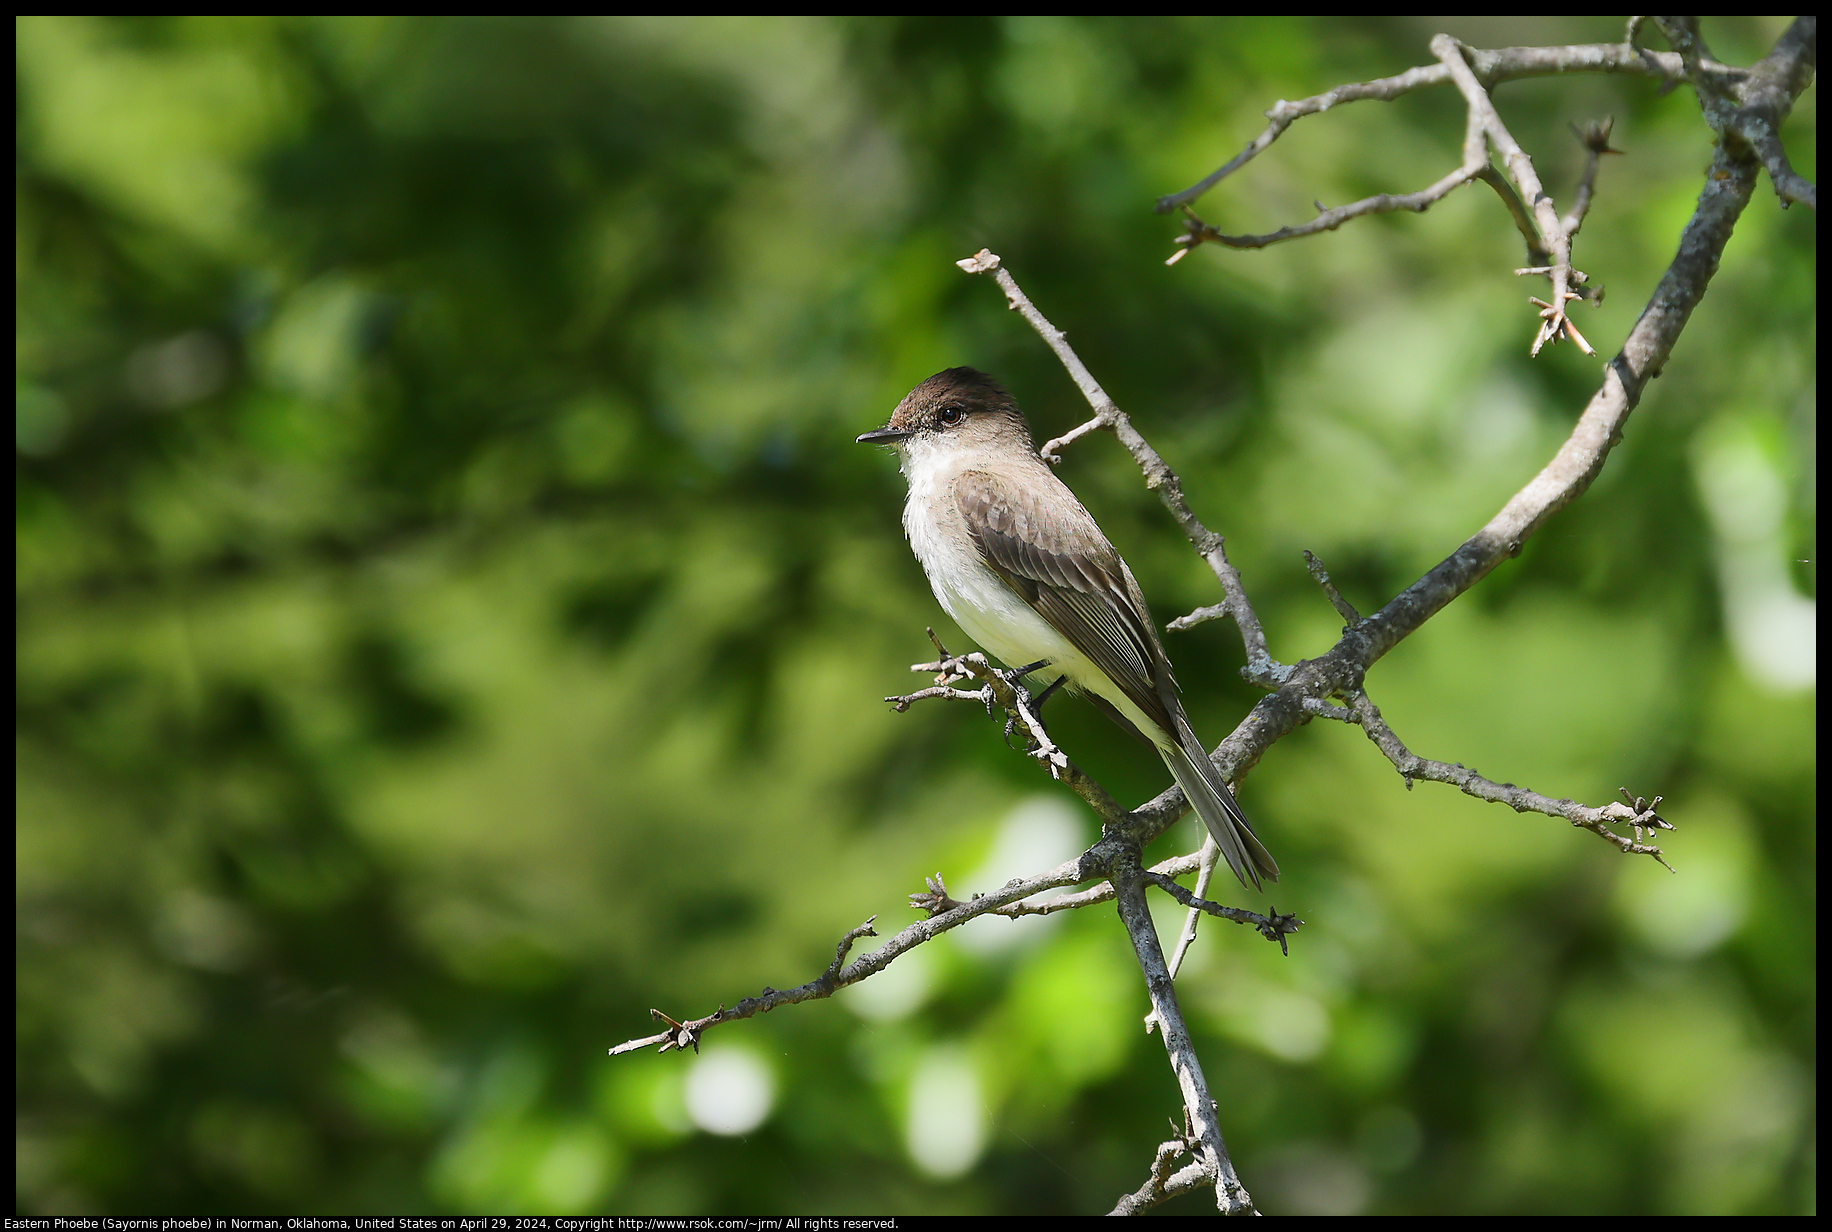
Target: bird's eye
(952, 414)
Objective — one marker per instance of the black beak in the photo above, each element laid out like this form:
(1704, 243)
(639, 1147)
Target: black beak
(884, 436)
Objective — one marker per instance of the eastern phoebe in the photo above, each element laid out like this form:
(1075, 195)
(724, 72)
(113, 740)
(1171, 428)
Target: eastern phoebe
(1023, 568)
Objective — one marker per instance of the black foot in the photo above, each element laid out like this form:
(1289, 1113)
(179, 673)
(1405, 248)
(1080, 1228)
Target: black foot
(1036, 700)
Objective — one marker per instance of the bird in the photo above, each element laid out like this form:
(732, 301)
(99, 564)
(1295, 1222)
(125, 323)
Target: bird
(1027, 573)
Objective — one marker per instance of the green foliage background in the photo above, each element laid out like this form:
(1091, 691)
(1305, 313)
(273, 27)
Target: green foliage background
(452, 618)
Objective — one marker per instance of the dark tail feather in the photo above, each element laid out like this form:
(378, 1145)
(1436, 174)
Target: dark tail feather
(1209, 795)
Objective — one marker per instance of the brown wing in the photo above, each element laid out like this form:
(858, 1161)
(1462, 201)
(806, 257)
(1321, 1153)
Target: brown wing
(1064, 567)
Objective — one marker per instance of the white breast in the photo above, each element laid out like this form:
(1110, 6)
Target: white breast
(990, 612)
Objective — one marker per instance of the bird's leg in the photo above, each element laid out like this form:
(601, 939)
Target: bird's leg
(1015, 678)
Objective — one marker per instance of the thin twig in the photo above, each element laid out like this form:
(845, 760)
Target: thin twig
(1207, 858)
(1274, 927)
(1595, 140)
(1176, 866)
(1456, 58)
(1343, 607)
(687, 1034)
(1597, 820)
(1197, 232)
(1536, 247)
(1491, 66)
(1090, 864)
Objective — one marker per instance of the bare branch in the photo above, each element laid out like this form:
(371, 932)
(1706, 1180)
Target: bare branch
(1230, 1195)
(1208, 856)
(1164, 1183)
(1746, 107)
(1089, 864)
(1726, 192)
(1198, 232)
(1769, 97)
(1474, 72)
(1597, 820)
(1523, 222)
(1553, 237)
(1548, 238)
(1343, 607)
(1595, 140)
(687, 1034)
(1176, 866)
(1491, 68)
(1274, 927)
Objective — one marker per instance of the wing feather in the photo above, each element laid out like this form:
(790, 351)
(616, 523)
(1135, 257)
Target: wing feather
(1067, 570)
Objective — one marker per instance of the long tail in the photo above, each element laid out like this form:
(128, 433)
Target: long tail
(1208, 793)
